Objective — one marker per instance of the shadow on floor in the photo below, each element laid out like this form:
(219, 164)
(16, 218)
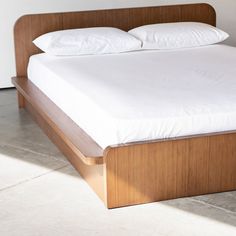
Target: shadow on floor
(22, 139)
(219, 206)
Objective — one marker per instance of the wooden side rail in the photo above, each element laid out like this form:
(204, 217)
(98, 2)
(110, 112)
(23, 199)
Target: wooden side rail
(84, 146)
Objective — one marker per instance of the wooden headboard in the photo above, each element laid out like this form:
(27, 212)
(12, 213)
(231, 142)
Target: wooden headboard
(28, 27)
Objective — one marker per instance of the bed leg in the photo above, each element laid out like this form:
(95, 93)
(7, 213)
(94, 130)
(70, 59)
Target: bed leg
(21, 100)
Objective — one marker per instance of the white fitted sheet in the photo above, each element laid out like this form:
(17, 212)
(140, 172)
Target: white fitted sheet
(143, 95)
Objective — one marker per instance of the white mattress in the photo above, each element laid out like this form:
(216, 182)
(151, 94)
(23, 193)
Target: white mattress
(143, 95)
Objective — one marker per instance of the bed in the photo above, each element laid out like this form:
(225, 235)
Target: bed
(128, 152)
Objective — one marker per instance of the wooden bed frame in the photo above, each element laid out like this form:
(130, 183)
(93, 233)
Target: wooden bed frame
(134, 173)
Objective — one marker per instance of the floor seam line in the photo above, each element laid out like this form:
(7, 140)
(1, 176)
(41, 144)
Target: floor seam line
(33, 178)
(212, 205)
(33, 152)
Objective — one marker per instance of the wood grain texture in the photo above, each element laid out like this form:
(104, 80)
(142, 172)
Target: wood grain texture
(28, 27)
(165, 170)
(85, 147)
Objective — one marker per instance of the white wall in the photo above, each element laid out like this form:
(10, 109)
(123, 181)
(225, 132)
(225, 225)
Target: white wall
(10, 10)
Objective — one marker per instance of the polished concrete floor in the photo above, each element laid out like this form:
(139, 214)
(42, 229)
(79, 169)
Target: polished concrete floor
(42, 195)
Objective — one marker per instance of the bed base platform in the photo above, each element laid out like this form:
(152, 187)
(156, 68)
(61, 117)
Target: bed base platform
(137, 172)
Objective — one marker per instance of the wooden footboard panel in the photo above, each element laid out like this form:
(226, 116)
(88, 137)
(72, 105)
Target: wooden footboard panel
(165, 170)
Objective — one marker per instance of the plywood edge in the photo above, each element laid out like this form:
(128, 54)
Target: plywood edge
(83, 145)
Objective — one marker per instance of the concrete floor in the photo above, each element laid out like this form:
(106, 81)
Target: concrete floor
(41, 194)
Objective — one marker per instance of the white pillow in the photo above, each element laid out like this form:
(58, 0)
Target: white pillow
(98, 40)
(178, 35)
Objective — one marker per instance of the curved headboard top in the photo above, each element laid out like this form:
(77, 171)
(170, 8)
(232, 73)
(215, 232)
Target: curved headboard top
(28, 27)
